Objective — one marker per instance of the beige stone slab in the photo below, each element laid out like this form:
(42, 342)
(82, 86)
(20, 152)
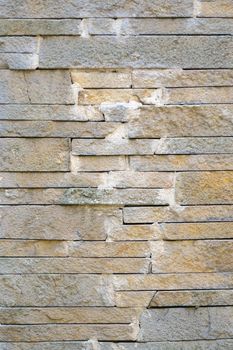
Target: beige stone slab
(99, 79)
(34, 154)
(134, 233)
(133, 299)
(73, 265)
(199, 95)
(177, 121)
(58, 222)
(193, 231)
(96, 96)
(193, 298)
(98, 163)
(73, 345)
(118, 146)
(216, 8)
(159, 78)
(192, 256)
(70, 129)
(182, 162)
(196, 145)
(203, 213)
(175, 281)
(66, 332)
(205, 188)
(20, 315)
(56, 290)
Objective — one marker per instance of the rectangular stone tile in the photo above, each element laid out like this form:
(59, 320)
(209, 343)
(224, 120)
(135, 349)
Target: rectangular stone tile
(66, 332)
(223, 344)
(196, 256)
(179, 214)
(116, 146)
(199, 95)
(193, 231)
(216, 8)
(55, 290)
(204, 188)
(176, 121)
(96, 96)
(193, 298)
(40, 26)
(62, 9)
(58, 222)
(19, 61)
(45, 248)
(174, 281)
(128, 299)
(119, 111)
(75, 345)
(50, 112)
(52, 179)
(56, 129)
(109, 249)
(24, 44)
(20, 315)
(134, 233)
(85, 196)
(34, 154)
(182, 162)
(98, 79)
(200, 145)
(158, 26)
(186, 324)
(73, 265)
(98, 26)
(100, 163)
(137, 52)
(158, 78)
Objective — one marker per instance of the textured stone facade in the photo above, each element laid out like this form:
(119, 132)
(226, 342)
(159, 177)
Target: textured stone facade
(116, 175)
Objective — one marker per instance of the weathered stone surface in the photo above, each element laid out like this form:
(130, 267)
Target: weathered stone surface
(158, 78)
(73, 265)
(58, 222)
(34, 154)
(22, 61)
(50, 112)
(23, 44)
(223, 344)
(109, 249)
(56, 129)
(85, 196)
(203, 230)
(186, 324)
(48, 87)
(196, 256)
(67, 332)
(200, 145)
(175, 281)
(40, 27)
(133, 299)
(37, 315)
(215, 8)
(32, 248)
(199, 95)
(77, 345)
(81, 8)
(96, 96)
(193, 298)
(182, 162)
(134, 233)
(118, 146)
(179, 121)
(192, 26)
(101, 78)
(178, 214)
(205, 188)
(98, 26)
(119, 112)
(52, 179)
(55, 290)
(100, 163)
(137, 52)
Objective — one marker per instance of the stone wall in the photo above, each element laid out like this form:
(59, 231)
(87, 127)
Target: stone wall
(116, 175)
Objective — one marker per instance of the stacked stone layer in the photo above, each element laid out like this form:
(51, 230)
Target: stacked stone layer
(116, 175)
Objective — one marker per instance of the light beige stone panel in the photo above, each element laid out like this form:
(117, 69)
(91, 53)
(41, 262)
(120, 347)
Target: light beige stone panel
(127, 299)
(100, 163)
(215, 8)
(100, 79)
